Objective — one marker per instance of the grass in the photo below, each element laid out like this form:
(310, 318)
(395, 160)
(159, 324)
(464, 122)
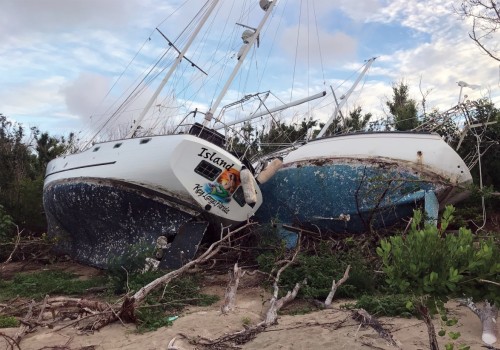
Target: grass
(38, 284)
(168, 302)
(158, 310)
(8, 321)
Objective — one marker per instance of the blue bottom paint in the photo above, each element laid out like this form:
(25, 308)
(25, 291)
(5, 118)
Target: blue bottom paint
(350, 197)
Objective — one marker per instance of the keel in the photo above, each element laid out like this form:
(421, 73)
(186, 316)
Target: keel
(184, 246)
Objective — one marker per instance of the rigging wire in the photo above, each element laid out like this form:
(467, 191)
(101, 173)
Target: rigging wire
(296, 50)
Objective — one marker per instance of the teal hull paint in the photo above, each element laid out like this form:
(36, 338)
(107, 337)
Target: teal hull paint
(350, 197)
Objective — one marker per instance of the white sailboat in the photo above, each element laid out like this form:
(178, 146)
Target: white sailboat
(360, 181)
(135, 190)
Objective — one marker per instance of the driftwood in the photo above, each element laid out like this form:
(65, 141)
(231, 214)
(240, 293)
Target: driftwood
(488, 316)
(368, 320)
(26, 326)
(231, 289)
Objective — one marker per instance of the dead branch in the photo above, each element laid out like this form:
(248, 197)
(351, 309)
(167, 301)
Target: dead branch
(10, 341)
(25, 324)
(16, 245)
(231, 289)
(488, 316)
(171, 345)
(490, 282)
(276, 304)
(42, 310)
(329, 298)
(368, 320)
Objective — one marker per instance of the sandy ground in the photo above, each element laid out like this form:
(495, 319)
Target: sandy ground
(326, 329)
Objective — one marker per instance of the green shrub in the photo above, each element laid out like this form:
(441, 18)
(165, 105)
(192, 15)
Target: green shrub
(384, 305)
(430, 261)
(320, 270)
(8, 321)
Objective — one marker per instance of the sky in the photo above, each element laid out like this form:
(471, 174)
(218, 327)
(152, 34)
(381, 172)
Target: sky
(60, 58)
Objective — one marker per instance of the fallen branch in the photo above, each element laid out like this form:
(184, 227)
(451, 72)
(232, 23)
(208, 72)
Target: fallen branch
(127, 309)
(231, 289)
(16, 245)
(10, 341)
(488, 316)
(25, 324)
(335, 286)
(366, 319)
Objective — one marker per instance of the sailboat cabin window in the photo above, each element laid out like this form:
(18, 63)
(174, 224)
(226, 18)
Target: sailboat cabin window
(207, 170)
(143, 141)
(239, 197)
(117, 145)
(96, 149)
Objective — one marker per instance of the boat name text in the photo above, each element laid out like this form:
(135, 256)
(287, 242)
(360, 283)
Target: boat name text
(216, 160)
(198, 189)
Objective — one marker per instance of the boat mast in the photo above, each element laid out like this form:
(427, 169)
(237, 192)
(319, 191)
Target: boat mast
(267, 6)
(172, 68)
(345, 97)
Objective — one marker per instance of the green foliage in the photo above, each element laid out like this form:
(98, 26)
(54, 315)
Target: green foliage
(8, 321)
(428, 261)
(320, 270)
(402, 108)
(6, 226)
(356, 121)
(125, 274)
(385, 305)
(37, 285)
(246, 321)
(162, 304)
(23, 159)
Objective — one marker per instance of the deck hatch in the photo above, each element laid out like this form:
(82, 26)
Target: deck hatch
(207, 170)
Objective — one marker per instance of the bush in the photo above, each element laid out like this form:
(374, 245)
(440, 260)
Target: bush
(320, 270)
(430, 261)
(384, 305)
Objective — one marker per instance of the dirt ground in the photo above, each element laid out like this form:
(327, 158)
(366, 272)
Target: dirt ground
(326, 329)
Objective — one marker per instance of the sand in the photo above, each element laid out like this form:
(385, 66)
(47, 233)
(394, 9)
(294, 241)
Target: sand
(326, 329)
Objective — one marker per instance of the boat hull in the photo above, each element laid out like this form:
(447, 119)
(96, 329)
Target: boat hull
(95, 220)
(356, 183)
